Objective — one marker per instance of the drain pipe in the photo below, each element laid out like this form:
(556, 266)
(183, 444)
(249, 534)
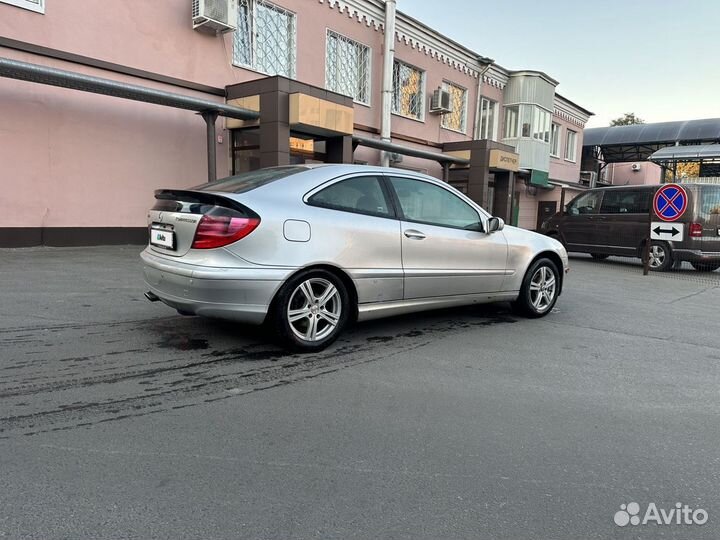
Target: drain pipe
(476, 124)
(387, 81)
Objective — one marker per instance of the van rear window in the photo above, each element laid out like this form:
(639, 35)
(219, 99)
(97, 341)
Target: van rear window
(710, 199)
(248, 181)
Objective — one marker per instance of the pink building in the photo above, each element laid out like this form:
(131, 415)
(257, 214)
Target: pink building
(80, 167)
(636, 173)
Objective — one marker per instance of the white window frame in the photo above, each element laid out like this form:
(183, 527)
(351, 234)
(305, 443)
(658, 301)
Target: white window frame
(38, 7)
(542, 119)
(368, 92)
(572, 159)
(508, 116)
(491, 131)
(423, 90)
(253, 42)
(463, 129)
(555, 143)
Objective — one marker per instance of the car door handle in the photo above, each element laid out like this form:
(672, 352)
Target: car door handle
(415, 235)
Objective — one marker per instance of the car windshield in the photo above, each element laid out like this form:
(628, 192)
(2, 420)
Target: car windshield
(248, 181)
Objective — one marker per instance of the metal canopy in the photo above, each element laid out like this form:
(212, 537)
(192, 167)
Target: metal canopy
(379, 144)
(25, 71)
(698, 152)
(638, 142)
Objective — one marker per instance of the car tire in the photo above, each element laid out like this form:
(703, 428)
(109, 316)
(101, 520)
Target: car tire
(705, 267)
(661, 258)
(599, 256)
(539, 290)
(310, 310)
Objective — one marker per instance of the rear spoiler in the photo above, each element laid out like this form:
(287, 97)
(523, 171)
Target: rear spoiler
(197, 197)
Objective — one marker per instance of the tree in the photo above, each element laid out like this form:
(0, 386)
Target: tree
(627, 120)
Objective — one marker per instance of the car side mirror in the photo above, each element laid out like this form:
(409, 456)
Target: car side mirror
(573, 211)
(495, 224)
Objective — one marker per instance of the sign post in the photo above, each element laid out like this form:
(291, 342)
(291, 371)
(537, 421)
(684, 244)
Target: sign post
(669, 205)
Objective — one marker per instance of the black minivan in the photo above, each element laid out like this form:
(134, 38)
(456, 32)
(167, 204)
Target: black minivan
(616, 221)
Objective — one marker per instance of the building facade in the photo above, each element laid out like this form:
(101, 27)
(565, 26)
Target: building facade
(80, 167)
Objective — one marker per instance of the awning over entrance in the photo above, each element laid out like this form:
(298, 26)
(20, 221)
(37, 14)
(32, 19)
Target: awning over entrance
(698, 152)
(539, 178)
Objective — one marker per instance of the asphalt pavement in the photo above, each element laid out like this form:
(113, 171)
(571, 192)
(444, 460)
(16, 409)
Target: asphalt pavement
(121, 419)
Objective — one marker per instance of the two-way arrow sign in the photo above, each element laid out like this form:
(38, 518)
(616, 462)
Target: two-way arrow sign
(667, 231)
(672, 232)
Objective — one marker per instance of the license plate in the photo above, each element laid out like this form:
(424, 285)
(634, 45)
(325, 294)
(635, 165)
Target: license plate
(162, 238)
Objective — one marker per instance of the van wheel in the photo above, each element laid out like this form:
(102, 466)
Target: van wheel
(310, 310)
(705, 267)
(599, 256)
(539, 290)
(660, 256)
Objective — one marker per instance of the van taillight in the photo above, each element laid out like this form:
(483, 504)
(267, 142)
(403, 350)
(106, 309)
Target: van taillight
(218, 231)
(696, 230)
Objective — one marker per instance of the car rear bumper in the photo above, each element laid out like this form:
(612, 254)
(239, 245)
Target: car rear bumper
(241, 294)
(696, 255)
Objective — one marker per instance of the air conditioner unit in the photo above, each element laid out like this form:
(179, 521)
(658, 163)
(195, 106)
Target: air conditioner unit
(215, 16)
(441, 102)
(588, 177)
(635, 167)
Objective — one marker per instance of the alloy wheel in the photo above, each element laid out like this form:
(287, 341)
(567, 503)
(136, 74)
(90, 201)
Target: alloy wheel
(543, 286)
(657, 256)
(314, 309)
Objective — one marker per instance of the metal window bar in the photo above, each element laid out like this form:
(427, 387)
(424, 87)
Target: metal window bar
(407, 91)
(347, 67)
(456, 119)
(265, 39)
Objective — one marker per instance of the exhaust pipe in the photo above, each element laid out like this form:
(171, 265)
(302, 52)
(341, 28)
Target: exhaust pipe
(151, 297)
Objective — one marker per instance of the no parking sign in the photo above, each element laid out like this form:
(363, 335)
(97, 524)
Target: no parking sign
(670, 202)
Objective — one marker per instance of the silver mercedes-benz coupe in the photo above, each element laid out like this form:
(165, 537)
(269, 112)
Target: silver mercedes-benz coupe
(309, 249)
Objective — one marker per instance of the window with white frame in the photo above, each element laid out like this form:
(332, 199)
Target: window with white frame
(408, 91)
(265, 38)
(541, 124)
(512, 116)
(455, 120)
(571, 145)
(347, 67)
(488, 119)
(555, 140)
(33, 5)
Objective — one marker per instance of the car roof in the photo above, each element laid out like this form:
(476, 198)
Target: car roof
(317, 174)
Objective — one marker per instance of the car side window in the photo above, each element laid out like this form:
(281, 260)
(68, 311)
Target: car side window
(587, 203)
(618, 201)
(360, 195)
(427, 203)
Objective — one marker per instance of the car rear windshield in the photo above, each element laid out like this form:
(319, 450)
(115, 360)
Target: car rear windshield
(248, 181)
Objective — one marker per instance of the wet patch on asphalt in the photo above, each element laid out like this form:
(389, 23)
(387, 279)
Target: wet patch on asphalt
(74, 376)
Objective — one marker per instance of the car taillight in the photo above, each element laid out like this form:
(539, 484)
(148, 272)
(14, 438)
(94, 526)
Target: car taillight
(696, 230)
(218, 231)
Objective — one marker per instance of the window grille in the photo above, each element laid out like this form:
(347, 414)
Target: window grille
(347, 67)
(265, 38)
